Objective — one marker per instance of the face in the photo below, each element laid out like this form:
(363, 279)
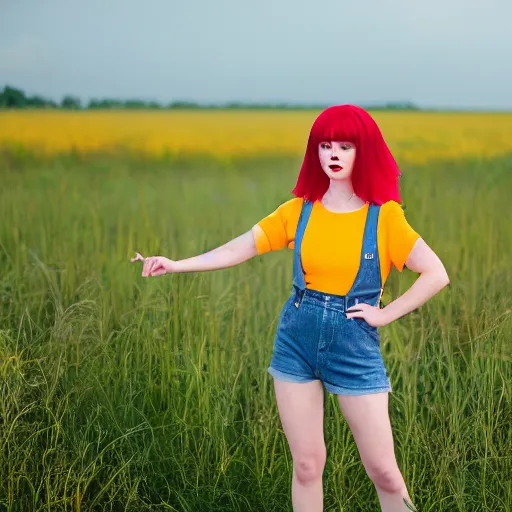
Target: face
(337, 158)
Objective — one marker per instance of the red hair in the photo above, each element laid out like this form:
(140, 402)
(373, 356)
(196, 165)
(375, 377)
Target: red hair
(375, 173)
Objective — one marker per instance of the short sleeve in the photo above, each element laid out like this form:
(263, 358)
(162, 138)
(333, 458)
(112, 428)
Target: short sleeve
(277, 228)
(401, 237)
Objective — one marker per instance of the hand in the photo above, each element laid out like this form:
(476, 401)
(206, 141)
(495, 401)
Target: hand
(373, 315)
(155, 265)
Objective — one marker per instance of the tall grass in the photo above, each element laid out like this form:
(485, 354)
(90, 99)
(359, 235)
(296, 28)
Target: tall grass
(123, 393)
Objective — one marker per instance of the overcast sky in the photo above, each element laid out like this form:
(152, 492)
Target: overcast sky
(436, 53)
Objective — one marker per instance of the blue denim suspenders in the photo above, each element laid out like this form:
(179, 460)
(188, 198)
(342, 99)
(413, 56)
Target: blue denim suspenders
(367, 286)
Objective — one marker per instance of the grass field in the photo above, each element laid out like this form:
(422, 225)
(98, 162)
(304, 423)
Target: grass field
(414, 137)
(124, 393)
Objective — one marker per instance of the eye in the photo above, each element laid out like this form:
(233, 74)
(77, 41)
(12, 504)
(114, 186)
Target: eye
(346, 146)
(325, 145)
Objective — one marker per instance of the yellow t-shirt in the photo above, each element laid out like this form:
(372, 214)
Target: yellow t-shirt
(332, 243)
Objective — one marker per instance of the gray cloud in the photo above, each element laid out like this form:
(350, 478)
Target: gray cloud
(445, 54)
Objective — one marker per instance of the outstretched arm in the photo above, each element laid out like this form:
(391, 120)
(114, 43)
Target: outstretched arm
(232, 253)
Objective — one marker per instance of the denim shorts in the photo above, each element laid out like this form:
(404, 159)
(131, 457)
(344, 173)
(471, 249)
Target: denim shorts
(316, 341)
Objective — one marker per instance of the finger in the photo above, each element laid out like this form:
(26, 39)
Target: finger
(354, 310)
(358, 314)
(160, 271)
(138, 257)
(146, 267)
(154, 268)
(154, 264)
(358, 307)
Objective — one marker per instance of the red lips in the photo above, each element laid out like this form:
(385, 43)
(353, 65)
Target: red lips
(335, 168)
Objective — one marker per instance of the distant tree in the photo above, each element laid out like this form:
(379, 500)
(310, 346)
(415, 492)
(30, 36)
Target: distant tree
(36, 102)
(12, 98)
(40, 102)
(183, 104)
(71, 102)
(105, 103)
(401, 105)
(135, 104)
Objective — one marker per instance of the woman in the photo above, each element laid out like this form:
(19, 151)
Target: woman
(348, 199)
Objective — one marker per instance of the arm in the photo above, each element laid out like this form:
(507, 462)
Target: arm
(232, 253)
(433, 278)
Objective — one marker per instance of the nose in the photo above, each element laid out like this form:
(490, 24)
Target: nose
(334, 153)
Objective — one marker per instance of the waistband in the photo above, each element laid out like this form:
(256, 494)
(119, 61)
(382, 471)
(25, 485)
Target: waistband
(341, 302)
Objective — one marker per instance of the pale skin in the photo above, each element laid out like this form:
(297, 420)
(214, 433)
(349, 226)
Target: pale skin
(300, 405)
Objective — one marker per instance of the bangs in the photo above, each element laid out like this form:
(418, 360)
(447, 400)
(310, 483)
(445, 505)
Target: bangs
(337, 123)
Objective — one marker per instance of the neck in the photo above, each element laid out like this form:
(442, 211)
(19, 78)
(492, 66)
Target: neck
(340, 197)
(339, 192)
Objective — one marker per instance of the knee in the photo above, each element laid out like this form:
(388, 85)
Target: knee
(309, 468)
(386, 477)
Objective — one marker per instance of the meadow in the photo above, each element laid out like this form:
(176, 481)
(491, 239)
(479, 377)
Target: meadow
(414, 137)
(120, 393)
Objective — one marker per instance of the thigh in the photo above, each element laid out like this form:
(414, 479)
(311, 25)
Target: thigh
(368, 419)
(301, 409)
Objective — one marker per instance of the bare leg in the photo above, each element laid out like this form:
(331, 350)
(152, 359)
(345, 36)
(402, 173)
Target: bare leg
(368, 419)
(301, 409)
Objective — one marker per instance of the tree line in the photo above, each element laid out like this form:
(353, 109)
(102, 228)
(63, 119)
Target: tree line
(12, 97)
